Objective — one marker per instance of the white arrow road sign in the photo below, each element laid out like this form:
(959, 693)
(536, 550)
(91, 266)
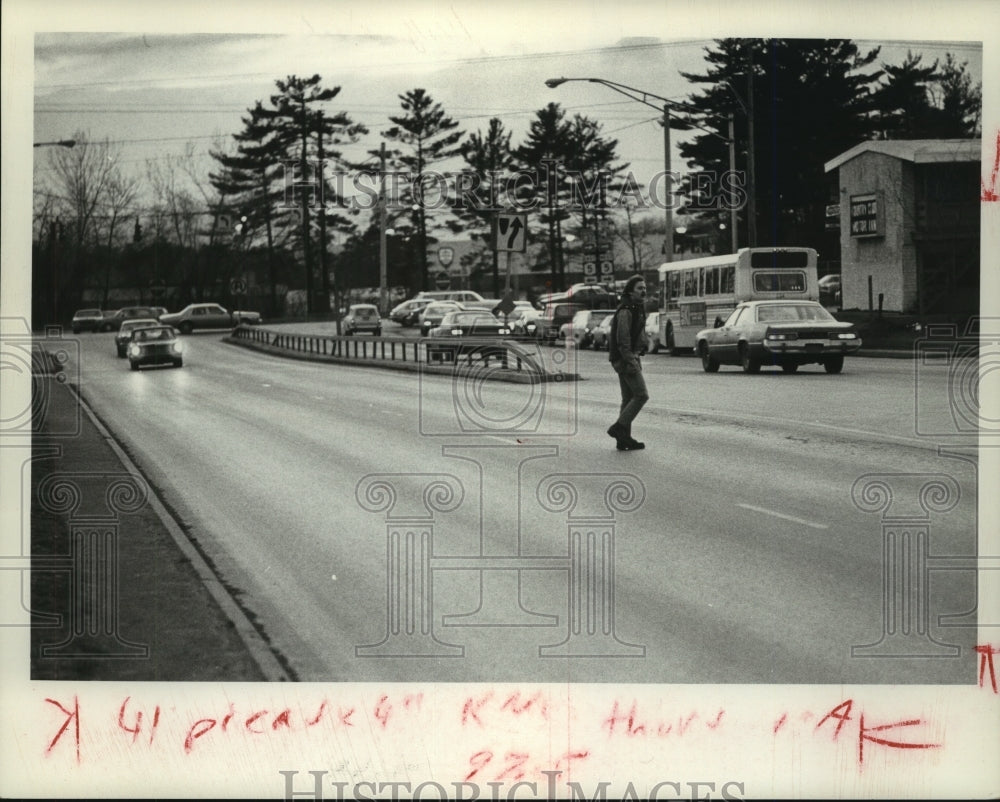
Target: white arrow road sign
(510, 232)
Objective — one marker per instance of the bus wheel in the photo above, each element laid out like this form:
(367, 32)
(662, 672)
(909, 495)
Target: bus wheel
(748, 363)
(708, 363)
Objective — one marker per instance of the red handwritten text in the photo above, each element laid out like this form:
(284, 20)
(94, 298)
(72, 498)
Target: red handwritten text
(841, 714)
(629, 724)
(986, 653)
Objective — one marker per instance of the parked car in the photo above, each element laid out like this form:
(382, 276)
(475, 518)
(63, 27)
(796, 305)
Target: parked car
(591, 296)
(115, 320)
(524, 321)
(785, 333)
(207, 316)
(124, 334)
(580, 330)
(653, 344)
(362, 317)
(408, 312)
(449, 295)
(155, 345)
(602, 334)
(87, 320)
(434, 313)
(553, 317)
(470, 323)
(829, 289)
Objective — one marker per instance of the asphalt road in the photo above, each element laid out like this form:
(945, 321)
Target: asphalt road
(739, 554)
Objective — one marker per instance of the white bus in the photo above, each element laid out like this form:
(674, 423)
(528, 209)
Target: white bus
(694, 292)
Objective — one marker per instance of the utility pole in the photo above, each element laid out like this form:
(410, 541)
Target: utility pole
(751, 169)
(732, 174)
(383, 263)
(323, 306)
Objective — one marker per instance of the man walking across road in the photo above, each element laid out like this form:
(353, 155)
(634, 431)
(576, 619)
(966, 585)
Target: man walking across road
(627, 338)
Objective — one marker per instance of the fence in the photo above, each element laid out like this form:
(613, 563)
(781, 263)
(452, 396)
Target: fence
(521, 360)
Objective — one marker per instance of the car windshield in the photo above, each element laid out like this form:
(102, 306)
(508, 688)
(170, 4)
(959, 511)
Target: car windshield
(88, 313)
(128, 325)
(148, 335)
(364, 311)
(471, 319)
(790, 313)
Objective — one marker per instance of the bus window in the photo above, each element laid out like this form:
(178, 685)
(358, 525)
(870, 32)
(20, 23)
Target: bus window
(727, 279)
(779, 258)
(690, 284)
(712, 281)
(764, 281)
(675, 285)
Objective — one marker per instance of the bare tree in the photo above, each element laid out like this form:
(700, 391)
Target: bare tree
(120, 195)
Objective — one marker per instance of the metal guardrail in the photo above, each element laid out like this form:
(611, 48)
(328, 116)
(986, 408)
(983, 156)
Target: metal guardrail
(511, 355)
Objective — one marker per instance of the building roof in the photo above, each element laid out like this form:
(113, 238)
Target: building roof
(919, 151)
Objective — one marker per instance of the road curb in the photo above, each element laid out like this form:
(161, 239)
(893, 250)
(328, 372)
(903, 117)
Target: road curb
(258, 648)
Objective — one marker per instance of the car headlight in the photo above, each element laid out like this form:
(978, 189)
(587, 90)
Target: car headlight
(531, 327)
(134, 350)
(456, 332)
(177, 347)
(504, 331)
(780, 335)
(847, 335)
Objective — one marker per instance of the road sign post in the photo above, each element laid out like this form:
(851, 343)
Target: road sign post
(510, 234)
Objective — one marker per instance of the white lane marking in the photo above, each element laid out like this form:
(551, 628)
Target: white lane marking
(783, 516)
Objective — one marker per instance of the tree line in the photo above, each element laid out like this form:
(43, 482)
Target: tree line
(275, 200)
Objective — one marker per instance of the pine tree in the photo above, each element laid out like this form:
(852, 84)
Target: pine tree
(809, 100)
(250, 186)
(427, 136)
(547, 144)
(489, 157)
(295, 120)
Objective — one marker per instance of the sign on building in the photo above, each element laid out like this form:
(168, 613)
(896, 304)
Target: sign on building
(867, 215)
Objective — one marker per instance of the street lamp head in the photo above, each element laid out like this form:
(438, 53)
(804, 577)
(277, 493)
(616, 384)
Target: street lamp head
(552, 83)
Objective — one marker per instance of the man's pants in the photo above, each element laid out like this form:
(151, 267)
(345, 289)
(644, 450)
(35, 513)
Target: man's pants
(634, 395)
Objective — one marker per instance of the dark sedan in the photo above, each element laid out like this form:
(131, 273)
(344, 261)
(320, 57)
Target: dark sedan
(124, 335)
(155, 345)
(114, 321)
(785, 333)
(470, 324)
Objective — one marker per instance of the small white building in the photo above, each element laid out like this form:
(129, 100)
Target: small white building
(908, 215)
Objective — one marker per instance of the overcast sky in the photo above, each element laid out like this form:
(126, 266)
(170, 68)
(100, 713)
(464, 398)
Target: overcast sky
(155, 89)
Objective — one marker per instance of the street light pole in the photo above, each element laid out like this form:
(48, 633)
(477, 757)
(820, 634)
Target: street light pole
(668, 242)
(641, 96)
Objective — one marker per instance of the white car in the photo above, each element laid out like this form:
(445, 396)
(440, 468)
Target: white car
(207, 316)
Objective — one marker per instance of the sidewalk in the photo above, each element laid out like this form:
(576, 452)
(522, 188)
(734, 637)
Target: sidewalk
(173, 621)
